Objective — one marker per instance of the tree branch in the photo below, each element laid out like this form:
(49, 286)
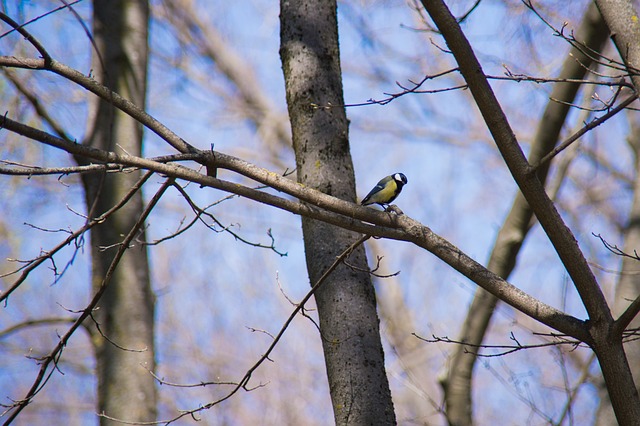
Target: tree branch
(559, 234)
(104, 93)
(348, 211)
(588, 126)
(91, 222)
(627, 316)
(44, 373)
(320, 206)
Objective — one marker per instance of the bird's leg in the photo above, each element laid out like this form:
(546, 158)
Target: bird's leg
(392, 208)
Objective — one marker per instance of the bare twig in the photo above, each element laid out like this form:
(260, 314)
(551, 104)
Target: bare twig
(588, 126)
(187, 385)
(34, 263)
(593, 55)
(414, 88)
(31, 323)
(518, 78)
(373, 271)
(202, 212)
(615, 249)
(45, 372)
(507, 349)
(41, 16)
(108, 339)
(30, 38)
(242, 384)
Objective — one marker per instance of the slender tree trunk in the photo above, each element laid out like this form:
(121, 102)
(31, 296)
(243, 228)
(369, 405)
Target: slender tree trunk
(457, 384)
(126, 390)
(622, 20)
(628, 287)
(346, 302)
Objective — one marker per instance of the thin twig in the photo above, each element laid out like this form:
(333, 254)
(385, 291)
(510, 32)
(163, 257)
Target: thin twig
(34, 263)
(45, 373)
(29, 37)
(592, 124)
(507, 349)
(242, 384)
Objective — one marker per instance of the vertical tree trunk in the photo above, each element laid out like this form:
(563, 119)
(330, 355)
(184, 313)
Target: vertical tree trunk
(628, 287)
(457, 385)
(126, 390)
(346, 302)
(622, 19)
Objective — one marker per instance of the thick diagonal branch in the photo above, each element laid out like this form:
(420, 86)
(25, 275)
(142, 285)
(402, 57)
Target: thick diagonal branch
(532, 189)
(608, 348)
(457, 384)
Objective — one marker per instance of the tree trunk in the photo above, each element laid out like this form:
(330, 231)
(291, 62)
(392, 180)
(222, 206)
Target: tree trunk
(628, 287)
(126, 390)
(457, 384)
(622, 20)
(346, 302)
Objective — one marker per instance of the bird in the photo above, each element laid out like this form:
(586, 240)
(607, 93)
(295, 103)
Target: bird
(386, 190)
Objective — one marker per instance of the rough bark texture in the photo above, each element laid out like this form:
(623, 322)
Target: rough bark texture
(457, 385)
(126, 390)
(346, 302)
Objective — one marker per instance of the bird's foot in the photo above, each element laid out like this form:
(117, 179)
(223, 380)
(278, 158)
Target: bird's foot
(392, 208)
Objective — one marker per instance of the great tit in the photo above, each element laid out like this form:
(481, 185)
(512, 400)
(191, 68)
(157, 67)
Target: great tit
(386, 190)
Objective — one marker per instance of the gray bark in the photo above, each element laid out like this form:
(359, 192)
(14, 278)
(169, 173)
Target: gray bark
(622, 20)
(126, 390)
(346, 302)
(457, 384)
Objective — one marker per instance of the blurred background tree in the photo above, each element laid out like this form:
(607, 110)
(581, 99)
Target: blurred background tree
(124, 318)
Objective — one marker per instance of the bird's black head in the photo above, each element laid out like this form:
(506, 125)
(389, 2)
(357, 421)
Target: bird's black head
(400, 179)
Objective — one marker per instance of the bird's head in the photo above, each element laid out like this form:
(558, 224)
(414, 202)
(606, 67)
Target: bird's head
(400, 179)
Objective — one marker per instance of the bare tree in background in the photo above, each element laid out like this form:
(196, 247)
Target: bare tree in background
(125, 315)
